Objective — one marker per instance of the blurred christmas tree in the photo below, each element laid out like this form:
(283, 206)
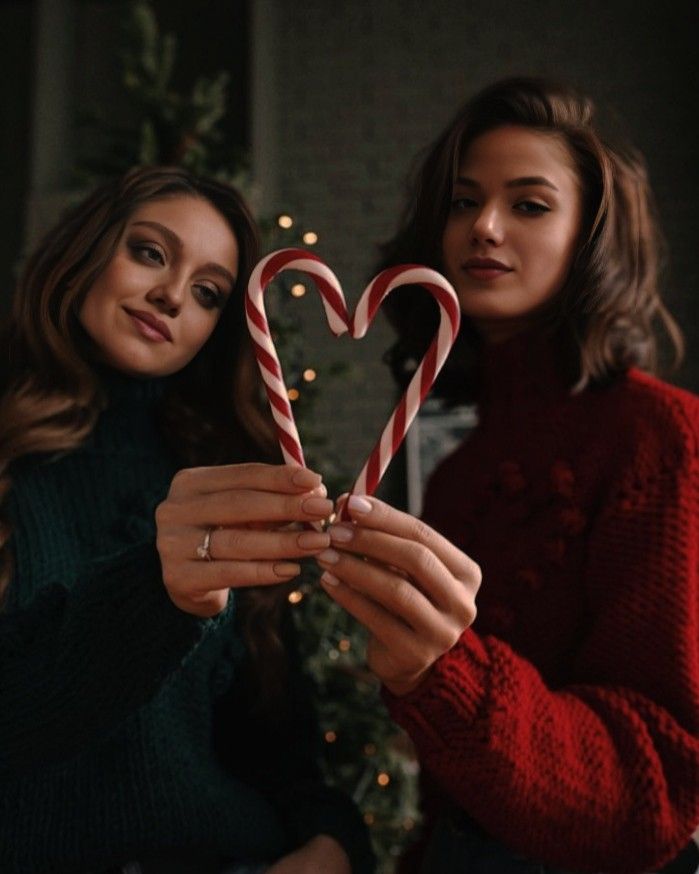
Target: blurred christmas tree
(365, 753)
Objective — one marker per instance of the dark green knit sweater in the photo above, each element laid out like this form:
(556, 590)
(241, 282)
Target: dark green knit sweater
(112, 699)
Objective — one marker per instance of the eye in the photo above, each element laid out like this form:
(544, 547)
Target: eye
(210, 297)
(531, 207)
(148, 252)
(459, 204)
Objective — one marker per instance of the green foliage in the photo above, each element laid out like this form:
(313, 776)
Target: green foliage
(365, 753)
(165, 126)
(170, 127)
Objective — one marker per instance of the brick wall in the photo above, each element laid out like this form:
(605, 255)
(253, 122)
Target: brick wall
(348, 92)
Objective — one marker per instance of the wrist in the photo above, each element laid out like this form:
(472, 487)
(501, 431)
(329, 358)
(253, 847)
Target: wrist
(400, 687)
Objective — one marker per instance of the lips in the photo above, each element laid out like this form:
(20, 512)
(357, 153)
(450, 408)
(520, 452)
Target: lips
(486, 268)
(149, 325)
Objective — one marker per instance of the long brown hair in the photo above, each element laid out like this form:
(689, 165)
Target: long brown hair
(51, 395)
(610, 306)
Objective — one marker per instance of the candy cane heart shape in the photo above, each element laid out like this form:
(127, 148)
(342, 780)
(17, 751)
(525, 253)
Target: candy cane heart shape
(340, 322)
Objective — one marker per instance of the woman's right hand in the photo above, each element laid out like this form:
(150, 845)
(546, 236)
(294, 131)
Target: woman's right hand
(248, 508)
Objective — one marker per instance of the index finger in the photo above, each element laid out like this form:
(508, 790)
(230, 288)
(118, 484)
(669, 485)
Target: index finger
(281, 478)
(370, 512)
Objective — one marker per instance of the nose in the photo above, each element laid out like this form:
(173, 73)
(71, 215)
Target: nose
(488, 226)
(168, 296)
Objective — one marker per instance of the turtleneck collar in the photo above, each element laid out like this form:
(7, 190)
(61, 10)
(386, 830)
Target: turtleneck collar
(129, 421)
(123, 390)
(522, 374)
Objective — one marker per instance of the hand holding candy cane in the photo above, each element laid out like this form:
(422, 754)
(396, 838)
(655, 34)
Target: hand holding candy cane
(410, 587)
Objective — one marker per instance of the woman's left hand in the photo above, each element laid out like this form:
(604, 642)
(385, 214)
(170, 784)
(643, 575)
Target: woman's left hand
(321, 855)
(409, 586)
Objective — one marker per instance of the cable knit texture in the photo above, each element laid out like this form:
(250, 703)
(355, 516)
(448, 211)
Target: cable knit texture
(111, 697)
(566, 720)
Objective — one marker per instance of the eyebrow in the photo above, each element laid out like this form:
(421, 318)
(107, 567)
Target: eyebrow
(176, 242)
(520, 182)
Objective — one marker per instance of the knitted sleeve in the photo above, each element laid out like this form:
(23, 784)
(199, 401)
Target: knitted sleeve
(80, 658)
(603, 774)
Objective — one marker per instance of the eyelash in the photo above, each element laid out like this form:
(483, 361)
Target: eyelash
(141, 249)
(539, 208)
(210, 298)
(459, 204)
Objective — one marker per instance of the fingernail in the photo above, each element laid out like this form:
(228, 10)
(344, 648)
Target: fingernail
(341, 533)
(320, 490)
(313, 540)
(305, 478)
(329, 556)
(286, 569)
(359, 504)
(317, 506)
(328, 579)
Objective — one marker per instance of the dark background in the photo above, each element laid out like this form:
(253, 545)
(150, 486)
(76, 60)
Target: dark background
(331, 101)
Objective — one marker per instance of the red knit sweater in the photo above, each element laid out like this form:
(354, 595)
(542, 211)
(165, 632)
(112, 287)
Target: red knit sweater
(566, 720)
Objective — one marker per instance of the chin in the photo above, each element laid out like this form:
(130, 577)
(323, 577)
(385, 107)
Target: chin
(135, 366)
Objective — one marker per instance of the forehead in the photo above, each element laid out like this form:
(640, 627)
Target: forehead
(200, 227)
(511, 152)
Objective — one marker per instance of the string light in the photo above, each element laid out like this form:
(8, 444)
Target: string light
(285, 221)
(383, 779)
(369, 818)
(369, 749)
(333, 655)
(408, 824)
(309, 375)
(330, 737)
(298, 290)
(295, 596)
(293, 394)
(344, 645)
(310, 238)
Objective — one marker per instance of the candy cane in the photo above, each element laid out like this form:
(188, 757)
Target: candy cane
(265, 352)
(423, 378)
(340, 322)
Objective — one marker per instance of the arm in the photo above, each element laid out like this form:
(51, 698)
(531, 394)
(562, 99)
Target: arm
(604, 773)
(82, 657)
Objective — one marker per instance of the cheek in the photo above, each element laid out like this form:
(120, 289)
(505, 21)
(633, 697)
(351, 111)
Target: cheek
(92, 307)
(556, 254)
(200, 329)
(104, 290)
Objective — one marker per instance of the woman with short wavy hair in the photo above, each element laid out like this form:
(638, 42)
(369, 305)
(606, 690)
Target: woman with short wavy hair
(557, 730)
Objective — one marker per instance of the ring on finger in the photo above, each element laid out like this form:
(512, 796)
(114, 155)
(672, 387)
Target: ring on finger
(204, 548)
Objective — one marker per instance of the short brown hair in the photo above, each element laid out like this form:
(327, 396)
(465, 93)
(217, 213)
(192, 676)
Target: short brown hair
(610, 306)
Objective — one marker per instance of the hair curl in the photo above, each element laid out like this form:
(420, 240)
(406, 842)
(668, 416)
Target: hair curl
(50, 392)
(610, 305)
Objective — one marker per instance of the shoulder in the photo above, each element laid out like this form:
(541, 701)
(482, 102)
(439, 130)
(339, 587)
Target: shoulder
(652, 418)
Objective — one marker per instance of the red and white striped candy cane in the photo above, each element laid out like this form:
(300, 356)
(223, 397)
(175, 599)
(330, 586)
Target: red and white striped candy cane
(338, 319)
(449, 319)
(267, 358)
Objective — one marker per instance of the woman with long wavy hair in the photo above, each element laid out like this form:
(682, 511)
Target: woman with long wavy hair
(152, 715)
(559, 729)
